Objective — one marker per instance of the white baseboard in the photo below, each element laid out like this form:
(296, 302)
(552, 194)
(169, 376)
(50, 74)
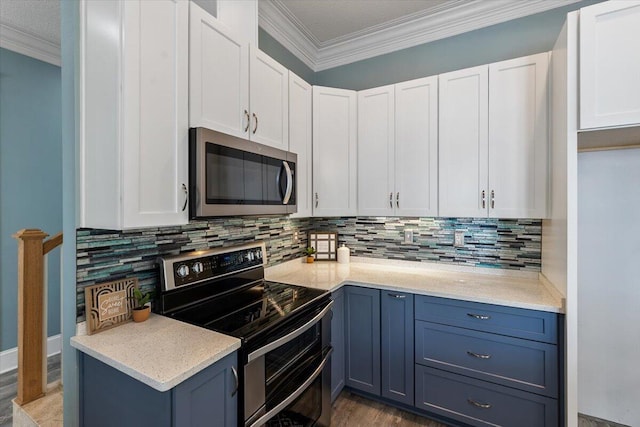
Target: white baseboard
(9, 358)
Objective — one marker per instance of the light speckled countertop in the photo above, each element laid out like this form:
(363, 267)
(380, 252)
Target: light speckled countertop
(160, 352)
(492, 286)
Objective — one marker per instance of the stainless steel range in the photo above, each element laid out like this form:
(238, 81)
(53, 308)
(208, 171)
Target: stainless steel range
(285, 331)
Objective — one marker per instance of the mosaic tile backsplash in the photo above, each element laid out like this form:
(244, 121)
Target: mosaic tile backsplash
(105, 255)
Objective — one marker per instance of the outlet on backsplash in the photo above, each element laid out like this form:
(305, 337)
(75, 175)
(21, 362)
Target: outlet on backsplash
(295, 239)
(408, 236)
(458, 238)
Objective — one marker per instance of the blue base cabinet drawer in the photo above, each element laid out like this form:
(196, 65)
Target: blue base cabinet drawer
(528, 365)
(515, 322)
(480, 403)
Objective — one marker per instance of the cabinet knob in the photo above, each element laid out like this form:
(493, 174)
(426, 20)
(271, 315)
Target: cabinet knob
(493, 199)
(398, 200)
(391, 200)
(484, 205)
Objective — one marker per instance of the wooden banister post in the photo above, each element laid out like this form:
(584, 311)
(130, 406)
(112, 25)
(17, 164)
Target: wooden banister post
(31, 343)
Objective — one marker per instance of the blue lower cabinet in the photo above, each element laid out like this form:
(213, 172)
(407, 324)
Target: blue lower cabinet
(528, 365)
(397, 346)
(481, 403)
(362, 338)
(208, 398)
(109, 397)
(337, 342)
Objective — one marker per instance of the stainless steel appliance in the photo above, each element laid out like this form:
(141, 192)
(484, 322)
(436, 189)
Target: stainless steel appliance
(235, 176)
(285, 331)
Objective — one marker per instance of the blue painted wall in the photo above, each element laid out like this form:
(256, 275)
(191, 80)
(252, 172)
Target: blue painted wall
(532, 34)
(274, 49)
(30, 176)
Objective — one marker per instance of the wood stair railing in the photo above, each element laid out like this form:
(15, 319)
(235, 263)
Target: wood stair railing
(31, 311)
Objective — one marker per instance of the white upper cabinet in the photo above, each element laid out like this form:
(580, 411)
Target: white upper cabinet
(463, 146)
(334, 151)
(219, 76)
(494, 140)
(376, 144)
(518, 137)
(235, 88)
(416, 151)
(134, 132)
(300, 129)
(398, 149)
(269, 98)
(610, 64)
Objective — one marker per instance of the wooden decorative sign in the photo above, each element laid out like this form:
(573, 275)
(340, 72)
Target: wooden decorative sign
(109, 304)
(325, 244)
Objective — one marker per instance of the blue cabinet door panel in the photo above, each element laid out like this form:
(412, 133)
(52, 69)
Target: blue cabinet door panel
(481, 403)
(515, 322)
(514, 362)
(362, 338)
(397, 346)
(208, 398)
(337, 342)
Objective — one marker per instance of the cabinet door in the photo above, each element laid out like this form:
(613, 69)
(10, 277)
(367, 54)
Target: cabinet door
(463, 147)
(362, 339)
(219, 76)
(416, 152)
(397, 346)
(155, 113)
(610, 64)
(300, 140)
(337, 342)
(518, 135)
(334, 151)
(269, 98)
(209, 397)
(376, 135)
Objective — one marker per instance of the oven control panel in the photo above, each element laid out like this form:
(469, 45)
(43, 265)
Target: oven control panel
(198, 266)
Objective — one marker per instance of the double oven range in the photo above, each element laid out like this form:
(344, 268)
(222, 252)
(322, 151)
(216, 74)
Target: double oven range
(284, 376)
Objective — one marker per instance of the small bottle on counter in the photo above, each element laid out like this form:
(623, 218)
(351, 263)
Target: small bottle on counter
(343, 254)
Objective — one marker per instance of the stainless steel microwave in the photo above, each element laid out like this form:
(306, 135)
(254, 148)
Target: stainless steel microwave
(235, 176)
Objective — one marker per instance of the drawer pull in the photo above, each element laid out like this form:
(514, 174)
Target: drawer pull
(478, 405)
(479, 356)
(479, 316)
(397, 296)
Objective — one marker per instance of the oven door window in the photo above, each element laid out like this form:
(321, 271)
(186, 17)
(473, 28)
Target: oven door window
(282, 360)
(306, 409)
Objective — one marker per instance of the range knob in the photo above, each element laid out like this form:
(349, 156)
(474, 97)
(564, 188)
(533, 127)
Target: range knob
(250, 256)
(259, 254)
(197, 267)
(182, 271)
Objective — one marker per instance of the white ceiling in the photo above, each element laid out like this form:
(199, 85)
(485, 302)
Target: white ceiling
(322, 33)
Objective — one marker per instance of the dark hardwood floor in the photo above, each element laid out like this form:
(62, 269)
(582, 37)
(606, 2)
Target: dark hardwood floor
(351, 410)
(8, 388)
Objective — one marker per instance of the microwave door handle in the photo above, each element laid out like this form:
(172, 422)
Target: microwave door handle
(291, 335)
(278, 182)
(287, 193)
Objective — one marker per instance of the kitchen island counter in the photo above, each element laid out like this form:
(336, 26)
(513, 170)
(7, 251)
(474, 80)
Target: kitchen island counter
(512, 288)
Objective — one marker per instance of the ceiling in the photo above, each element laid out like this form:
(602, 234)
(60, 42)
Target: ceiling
(322, 33)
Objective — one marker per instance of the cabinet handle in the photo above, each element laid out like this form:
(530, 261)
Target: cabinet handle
(235, 376)
(391, 200)
(479, 316)
(317, 200)
(186, 197)
(493, 199)
(398, 199)
(479, 356)
(255, 128)
(484, 205)
(397, 296)
(246, 113)
(478, 404)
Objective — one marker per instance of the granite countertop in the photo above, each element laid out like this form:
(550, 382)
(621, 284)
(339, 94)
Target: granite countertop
(160, 352)
(485, 285)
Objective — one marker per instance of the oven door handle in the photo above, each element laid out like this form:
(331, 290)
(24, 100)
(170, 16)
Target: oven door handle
(286, 402)
(291, 335)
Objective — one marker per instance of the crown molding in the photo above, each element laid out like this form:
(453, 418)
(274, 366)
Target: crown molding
(433, 24)
(14, 39)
